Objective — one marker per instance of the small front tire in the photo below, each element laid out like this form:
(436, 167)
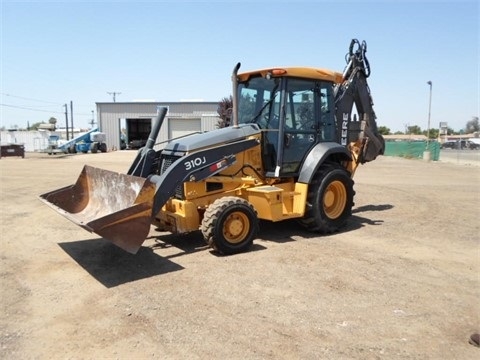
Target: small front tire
(229, 225)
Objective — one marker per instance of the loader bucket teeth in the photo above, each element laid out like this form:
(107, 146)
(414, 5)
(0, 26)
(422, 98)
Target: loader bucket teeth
(116, 206)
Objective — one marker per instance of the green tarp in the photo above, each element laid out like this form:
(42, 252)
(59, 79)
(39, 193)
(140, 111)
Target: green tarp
(412, 149)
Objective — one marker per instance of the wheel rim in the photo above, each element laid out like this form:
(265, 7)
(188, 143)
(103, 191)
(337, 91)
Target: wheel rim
(236, 227)
(334, 199)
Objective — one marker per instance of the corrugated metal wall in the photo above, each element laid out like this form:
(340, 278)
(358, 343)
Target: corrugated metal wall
(109, 115)
(32, 140)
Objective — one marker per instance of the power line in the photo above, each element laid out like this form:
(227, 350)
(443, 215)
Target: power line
(31, 99)
(32, 109)
(39, 110)
(36, 108)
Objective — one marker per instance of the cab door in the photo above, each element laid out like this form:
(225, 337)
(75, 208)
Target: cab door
(308, 118)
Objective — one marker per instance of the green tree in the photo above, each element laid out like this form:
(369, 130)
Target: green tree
(472, 125)
(433, 134)
(224, 110)
(450, 131)
(52, 121)
(415, 130)
(35, 126)
(383, 130)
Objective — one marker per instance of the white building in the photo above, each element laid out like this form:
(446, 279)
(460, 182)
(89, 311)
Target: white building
(133, 120)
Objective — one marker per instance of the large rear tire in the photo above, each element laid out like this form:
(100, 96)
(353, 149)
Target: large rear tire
(229, 225)
(330, 199)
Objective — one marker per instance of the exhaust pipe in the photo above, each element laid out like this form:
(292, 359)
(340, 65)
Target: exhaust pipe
(235, 96)
(142, 165)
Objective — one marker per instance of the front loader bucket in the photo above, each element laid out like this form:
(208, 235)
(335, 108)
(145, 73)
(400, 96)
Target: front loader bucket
(116, 206)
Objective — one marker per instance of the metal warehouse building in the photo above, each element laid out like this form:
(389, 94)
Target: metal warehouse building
(132, 121)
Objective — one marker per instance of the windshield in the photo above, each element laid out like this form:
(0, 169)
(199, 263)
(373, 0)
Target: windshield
(259, 102)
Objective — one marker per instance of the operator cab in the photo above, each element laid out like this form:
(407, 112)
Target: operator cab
(293, 113)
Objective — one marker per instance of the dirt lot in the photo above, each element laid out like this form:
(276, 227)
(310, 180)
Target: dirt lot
(401, 282)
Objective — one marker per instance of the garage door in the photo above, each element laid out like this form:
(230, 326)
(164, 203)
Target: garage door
(182, 127)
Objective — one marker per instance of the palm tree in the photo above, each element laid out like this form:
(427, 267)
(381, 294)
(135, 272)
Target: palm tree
(224, 111)
(52, 121)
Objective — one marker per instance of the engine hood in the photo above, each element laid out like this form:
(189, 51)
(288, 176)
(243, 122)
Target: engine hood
(211, 138)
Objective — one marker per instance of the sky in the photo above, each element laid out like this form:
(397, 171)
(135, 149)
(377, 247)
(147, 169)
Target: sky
(79, 52)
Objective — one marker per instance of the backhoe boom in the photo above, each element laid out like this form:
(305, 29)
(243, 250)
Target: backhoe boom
(354, 90)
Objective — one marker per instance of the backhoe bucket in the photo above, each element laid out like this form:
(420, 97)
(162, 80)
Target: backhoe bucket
(116, 206)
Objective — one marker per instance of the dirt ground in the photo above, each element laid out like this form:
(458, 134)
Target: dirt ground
(401, 282)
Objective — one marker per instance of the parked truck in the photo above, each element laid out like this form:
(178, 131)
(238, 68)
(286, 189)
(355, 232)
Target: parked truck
(93, 141)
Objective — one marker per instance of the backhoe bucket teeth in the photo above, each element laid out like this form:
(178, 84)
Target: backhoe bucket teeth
(116, 206)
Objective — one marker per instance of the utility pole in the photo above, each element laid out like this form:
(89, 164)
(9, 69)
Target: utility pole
(114, 94)
(426, 154)
(429, 110)
(71, 116)
(66, 120)
(92, 122)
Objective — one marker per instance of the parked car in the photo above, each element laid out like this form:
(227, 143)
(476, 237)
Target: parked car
(473, 145)
(449, 145)
(460, 144)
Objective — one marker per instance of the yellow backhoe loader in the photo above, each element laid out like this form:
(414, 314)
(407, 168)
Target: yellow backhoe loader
(290, 153)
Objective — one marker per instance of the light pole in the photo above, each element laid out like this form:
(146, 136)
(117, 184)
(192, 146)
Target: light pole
(429, 111)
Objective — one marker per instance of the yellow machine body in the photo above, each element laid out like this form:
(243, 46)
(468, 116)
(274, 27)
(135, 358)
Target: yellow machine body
(273, 200)
(290, 152)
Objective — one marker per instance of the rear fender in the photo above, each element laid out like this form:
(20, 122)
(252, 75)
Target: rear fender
(318, 155)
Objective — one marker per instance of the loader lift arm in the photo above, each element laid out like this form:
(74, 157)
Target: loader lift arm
(195, 167)
(354, 90)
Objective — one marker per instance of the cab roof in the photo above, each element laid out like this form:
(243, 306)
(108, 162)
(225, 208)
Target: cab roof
(301, 72)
